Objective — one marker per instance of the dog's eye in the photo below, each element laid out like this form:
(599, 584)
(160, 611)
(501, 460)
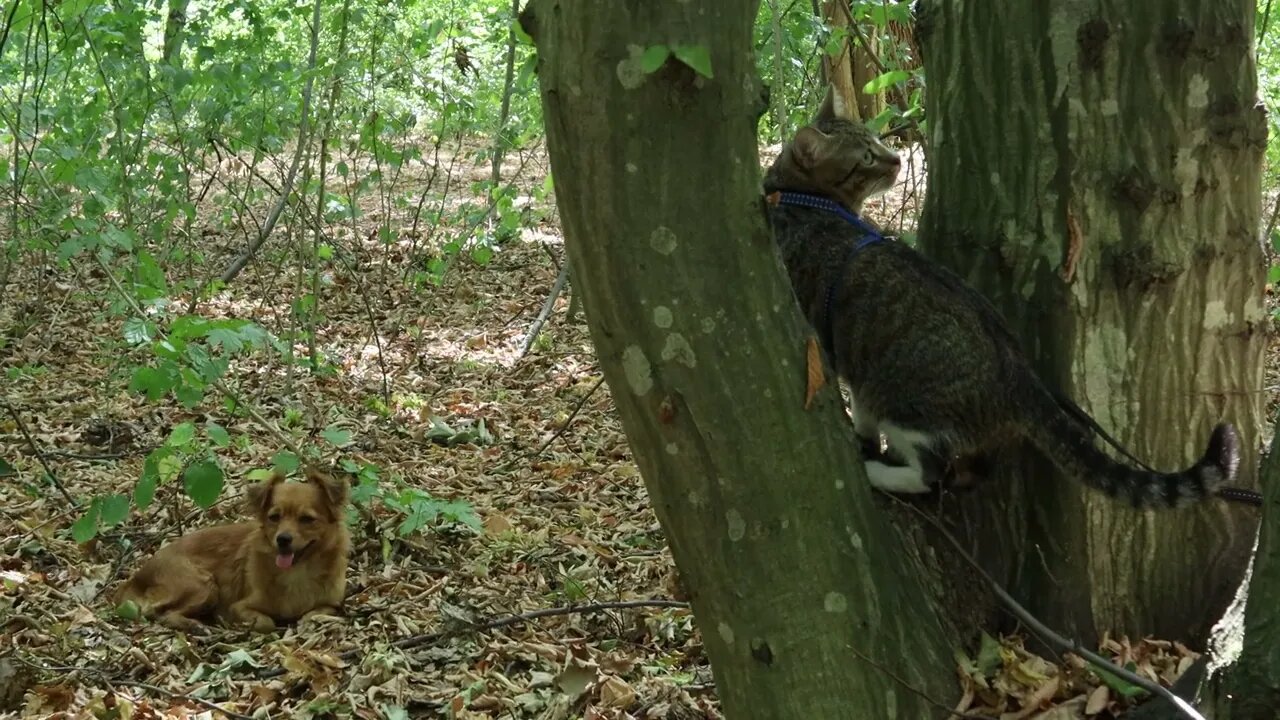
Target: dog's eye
(307, 519)
(274, 517)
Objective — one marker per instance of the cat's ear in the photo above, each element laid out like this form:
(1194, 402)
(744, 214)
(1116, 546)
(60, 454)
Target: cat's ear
(833, 106)
(811, 147)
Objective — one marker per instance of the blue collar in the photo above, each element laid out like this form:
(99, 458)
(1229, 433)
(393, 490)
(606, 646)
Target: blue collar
(817, 202)
(869, 236)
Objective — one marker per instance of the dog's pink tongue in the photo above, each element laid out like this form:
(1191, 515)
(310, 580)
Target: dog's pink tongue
(284, 561)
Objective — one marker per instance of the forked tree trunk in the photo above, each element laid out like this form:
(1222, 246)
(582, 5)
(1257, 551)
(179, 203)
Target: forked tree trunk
(1095, 172)
(794, 575)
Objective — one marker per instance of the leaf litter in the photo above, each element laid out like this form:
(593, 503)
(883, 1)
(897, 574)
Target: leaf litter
(428, 396)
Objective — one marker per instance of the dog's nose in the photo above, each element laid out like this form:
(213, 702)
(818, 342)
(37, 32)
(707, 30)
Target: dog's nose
(284, 541)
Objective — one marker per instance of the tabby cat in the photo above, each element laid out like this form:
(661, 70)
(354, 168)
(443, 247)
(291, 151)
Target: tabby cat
(930, 363)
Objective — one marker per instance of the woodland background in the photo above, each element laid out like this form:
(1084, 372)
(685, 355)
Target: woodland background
(238, 235)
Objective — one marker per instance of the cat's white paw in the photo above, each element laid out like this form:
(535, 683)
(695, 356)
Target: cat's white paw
(897, 478)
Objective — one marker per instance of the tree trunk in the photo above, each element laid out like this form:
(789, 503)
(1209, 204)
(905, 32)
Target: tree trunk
(1095, 172)
(797, 581)
(175, 28)
(1247, 638)
(839, 67)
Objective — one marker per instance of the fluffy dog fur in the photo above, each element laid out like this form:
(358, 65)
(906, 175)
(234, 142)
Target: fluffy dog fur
(289, 562)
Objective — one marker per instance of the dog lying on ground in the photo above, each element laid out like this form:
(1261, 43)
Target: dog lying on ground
(289, 562)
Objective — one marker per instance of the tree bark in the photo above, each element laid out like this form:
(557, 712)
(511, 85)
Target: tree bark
(797, 581)
(1095, 171)
(1246, 684)
(839, 68)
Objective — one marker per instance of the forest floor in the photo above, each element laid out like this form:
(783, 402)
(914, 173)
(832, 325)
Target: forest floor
(563, 519)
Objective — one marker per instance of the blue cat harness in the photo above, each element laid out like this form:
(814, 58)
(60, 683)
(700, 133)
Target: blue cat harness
(869, 236)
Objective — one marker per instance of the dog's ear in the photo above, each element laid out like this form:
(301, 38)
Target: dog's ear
(336, 489)
(258, 495)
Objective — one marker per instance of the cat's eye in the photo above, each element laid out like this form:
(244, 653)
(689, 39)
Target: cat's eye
(869, 158)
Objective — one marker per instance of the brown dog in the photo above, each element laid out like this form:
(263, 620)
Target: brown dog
(289, 562)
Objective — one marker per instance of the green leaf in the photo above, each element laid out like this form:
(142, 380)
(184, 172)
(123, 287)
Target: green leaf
(217, 434)
(1124, 687)
(324, 252)
(880, 82)
(151, 381)
(189, 395)
(653, 58)
(144, 493)
(203, 482)
(696, 57)
(139, 330)
(7, 469)
(86, 528)
(989, 656)
(285, 461)
(115, 508)
(336, 436)
(181, 435)
(1273, 274)
(482, 254)
(129, 610)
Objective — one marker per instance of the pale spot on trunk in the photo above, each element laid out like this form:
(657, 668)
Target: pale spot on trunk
(629, 70)
(737, 526)
(677, 349)
(1109, 107)
(854, 538)
(708, 325)
(662, 240)
(638, 371)
(632, 168)
(835, 602)
(1198, 92)
(673, 449)
(1216, 315)
(662, 316)
(726, 633)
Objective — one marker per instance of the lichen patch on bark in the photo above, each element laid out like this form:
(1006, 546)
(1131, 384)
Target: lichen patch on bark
(663, 240)
(737, 525)
(1216, 315)
(662, 316)
(638, 371)
(677, 348)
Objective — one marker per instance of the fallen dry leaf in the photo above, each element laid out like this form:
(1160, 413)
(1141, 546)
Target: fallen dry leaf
(815, 376)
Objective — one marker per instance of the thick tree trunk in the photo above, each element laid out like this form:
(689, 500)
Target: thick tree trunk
(1095, 172)
(795, 577)
(1247, 684)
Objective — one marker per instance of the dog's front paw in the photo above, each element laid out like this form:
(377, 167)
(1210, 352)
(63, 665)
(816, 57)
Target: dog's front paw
(320, 615)
(262, 623)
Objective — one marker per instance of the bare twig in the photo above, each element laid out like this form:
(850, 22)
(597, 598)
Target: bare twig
(415, 641)
(547, 306)
(304, 139)
(914, 690)
(110, 680)
(542, 448)
(1047, 634)
(44, 462)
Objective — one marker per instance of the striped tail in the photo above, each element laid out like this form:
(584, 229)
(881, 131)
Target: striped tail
(1066, 442)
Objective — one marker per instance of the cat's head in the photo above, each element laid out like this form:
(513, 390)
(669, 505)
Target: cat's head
(837, 157)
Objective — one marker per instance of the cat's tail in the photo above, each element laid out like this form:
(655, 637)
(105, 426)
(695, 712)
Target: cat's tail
(1066, 441)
